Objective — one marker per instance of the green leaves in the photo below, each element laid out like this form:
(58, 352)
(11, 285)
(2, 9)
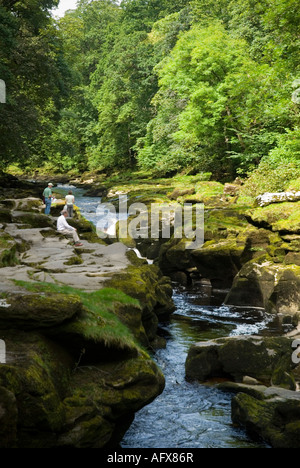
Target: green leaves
(196, 85)
(224, 106)
(30, 66)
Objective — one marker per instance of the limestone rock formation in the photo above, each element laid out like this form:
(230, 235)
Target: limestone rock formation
(272, 414)
(269, 198)
(272, 286)
(267, 359)
(76, 370)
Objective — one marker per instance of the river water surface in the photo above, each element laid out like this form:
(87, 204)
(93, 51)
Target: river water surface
(190, 415)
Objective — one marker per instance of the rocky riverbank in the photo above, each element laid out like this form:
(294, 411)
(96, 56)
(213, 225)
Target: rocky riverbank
(76, 323)
(249, 251)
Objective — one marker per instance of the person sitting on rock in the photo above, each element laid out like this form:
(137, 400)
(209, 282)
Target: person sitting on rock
(64, 228)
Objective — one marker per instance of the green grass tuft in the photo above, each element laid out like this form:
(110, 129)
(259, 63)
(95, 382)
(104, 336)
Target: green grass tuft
(98, 322)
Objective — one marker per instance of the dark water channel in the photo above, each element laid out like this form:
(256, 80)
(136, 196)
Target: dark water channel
(190, 415)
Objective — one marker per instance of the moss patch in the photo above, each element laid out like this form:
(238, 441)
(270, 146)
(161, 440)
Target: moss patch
(76, 260)
(97, 322)
(283, 217)
(8, 250)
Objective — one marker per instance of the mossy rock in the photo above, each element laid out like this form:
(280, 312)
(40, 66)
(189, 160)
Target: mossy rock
(82, 225)
(219, 261)
(8, 257)
(33, 219)
(285, 298)
(232, 220)
(264, 283)
(253, 284)
(292, 258)
(274, 416)
(181, 193)
(37, 373)
(281, 217)
(147, 284)
(103, 399)
(5, 216)
(32, 311)
(49, 232)
(154, 293)
(89, 339)
(207, 192)
(76, 260)
(98, 330)
(9, 247)
(24, 204)
(92, 238)
(263, 358)
(134, 259)
(8, 419)
(227, 239)
(131, 316)
(174, 256)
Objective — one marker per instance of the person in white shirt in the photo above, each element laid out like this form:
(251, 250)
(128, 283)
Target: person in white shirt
(64, 228)
(70, 200)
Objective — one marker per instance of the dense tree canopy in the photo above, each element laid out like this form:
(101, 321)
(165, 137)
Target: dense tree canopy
(166, 85)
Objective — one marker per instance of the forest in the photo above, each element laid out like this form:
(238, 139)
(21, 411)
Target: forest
(162, 86)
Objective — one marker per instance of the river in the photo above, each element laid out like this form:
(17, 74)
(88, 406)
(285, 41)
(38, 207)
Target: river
(190, 415)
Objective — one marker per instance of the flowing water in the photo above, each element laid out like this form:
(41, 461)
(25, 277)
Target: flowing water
(190, 415)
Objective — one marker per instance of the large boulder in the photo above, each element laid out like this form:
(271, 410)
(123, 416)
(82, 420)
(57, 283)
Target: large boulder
(103, 399)
(35, 376)
(269, 413)
(219, 261)
(174, 256)
(263, 283)
(267, 359)
(48, 399)
(253, 285)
